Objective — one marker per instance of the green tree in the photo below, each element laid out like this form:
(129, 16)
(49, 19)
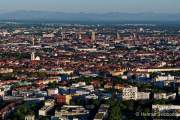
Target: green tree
(115, 110)
(52, 84)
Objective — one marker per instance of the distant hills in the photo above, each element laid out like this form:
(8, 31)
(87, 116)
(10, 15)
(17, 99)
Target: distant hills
(61, 16)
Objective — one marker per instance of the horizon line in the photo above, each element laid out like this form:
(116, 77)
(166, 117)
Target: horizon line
(83, 12)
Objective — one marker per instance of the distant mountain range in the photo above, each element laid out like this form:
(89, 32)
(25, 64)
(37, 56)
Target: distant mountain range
(61, 16)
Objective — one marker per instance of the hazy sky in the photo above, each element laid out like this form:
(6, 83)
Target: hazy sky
(131, 6)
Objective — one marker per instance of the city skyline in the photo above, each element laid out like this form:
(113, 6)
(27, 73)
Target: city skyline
(100, 6)
(89, 59)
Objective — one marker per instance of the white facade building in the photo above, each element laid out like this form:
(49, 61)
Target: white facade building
(49, 104)
(51, 35)
(143, 95)
(164, 78)
(159, 96)
(131, 93)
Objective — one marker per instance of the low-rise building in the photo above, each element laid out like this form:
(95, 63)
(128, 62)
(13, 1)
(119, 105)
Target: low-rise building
(75, 112)
(44, 110)
(79, 84)
(173, 110)
(171, 96)
(49, 104)
(91, 96)
(119, 87)
(164, 78)
(52, 91)
(143, 95)
(159, 96)
(63, 99)
(6, 70)
(29, 117)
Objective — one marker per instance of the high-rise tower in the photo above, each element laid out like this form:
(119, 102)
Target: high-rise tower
(93, 36)
(118, 36)
(33, 41)
(32, 56)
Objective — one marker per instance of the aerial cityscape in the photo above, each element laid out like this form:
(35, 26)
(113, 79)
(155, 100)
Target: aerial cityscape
(65, 60)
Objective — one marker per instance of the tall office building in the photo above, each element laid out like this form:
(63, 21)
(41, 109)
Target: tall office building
(93, 36)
